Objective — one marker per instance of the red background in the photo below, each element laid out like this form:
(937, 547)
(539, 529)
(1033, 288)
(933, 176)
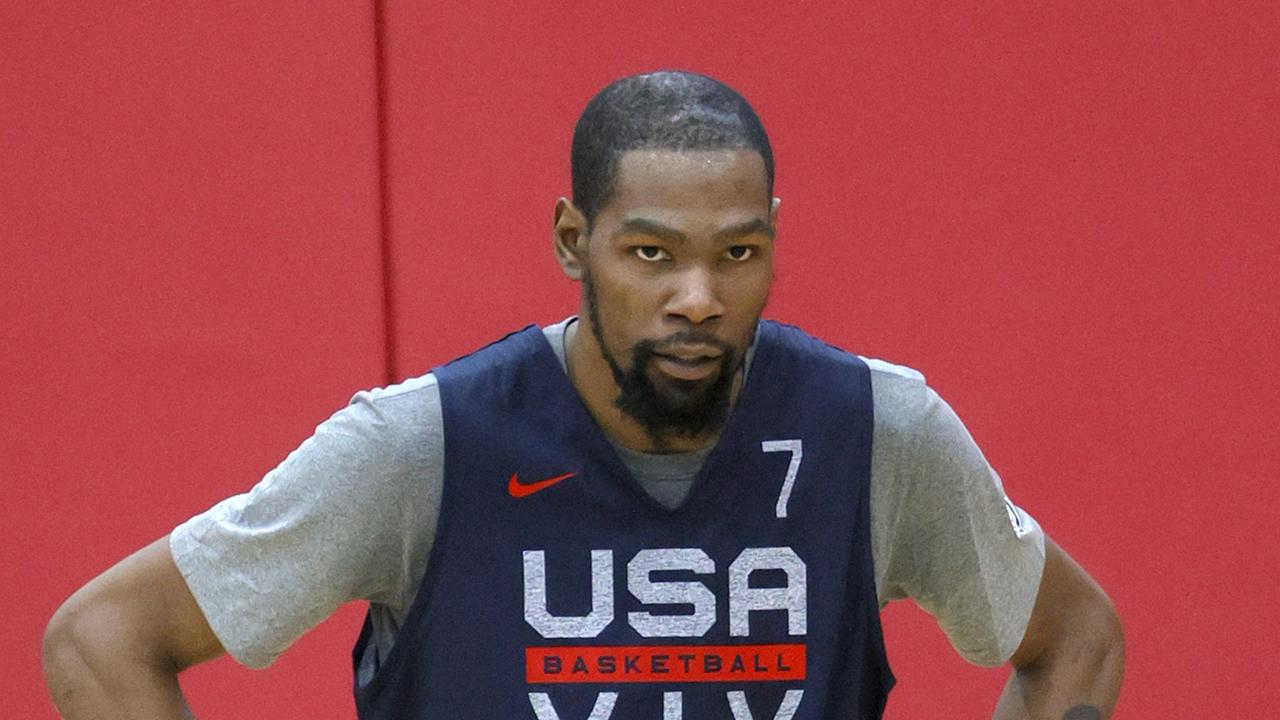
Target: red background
(1065, 216)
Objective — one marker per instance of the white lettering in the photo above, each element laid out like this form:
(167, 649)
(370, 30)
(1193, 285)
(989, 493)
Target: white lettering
(743, 598)
(572, 626)
(692, 593)
(796, 448)
(543, 708)
(672, 705)
(741, 711)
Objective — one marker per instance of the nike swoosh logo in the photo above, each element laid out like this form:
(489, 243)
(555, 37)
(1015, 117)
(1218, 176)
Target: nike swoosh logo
(518, 489)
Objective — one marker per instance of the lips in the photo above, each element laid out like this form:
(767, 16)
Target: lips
(690, 353)
(688, 362)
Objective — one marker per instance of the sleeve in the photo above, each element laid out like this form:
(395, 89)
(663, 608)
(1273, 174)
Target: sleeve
(947, 536)
(348, 515)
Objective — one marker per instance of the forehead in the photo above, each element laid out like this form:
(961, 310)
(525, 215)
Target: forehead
(693, 180)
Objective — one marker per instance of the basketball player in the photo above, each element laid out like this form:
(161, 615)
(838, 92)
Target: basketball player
(663, 507)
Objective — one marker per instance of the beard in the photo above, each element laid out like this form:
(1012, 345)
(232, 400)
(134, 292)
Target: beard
(668, 407)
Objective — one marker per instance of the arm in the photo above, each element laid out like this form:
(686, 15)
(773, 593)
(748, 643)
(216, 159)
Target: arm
(115, 648)
(1069, 664)
(262, 563)
(950, 539)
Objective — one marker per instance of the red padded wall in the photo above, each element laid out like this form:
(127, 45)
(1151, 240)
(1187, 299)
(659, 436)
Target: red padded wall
(1064, 216)
(189, 243)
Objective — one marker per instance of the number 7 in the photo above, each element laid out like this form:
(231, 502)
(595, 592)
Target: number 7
(795, 448)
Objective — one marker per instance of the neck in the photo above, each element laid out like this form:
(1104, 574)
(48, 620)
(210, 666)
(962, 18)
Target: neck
(591, 376)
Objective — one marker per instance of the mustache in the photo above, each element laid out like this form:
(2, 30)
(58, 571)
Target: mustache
(685, 337)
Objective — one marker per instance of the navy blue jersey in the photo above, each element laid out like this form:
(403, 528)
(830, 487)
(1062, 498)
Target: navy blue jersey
(556, 588)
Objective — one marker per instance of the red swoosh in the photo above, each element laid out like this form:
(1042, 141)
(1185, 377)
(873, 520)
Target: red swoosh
(518, 489)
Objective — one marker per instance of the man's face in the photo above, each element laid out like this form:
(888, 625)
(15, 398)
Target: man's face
(677, 273)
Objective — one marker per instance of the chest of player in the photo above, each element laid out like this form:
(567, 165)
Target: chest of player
(558, 589)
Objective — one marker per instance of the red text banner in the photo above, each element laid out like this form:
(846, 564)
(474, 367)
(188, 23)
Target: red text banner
(665, 663)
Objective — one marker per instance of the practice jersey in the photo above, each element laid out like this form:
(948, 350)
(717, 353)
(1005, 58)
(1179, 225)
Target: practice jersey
(558, 589)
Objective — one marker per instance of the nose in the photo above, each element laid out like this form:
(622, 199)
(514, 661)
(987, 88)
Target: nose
(694, 299)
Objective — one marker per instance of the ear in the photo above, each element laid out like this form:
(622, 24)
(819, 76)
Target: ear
(773, 213)
(570, 244)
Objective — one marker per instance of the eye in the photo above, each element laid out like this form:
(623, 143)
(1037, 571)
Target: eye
(740, 253)
(651, 253)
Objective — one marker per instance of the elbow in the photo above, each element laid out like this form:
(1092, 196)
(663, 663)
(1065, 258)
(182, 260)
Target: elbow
(92, 641)
(1086, 639)
(1109, 643)
(1074, 623)
(1073, 653)
(1099, 635)
(59, 657)
(1092, 647)
(1096, 660)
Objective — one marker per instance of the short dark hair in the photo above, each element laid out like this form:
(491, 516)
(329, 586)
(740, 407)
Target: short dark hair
(669, 110)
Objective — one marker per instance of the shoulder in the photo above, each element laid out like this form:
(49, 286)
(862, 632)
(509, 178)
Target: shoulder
(504, 355)
(800, 346)
(402, 414)
(894, 382)
(341, 518)
(902, 397)
(407, 397)
(914, 425)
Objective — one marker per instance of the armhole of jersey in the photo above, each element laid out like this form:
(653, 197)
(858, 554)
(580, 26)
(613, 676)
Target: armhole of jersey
(389, 665)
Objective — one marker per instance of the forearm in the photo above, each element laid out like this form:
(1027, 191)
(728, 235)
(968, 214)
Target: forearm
(93, 674)
(1079, 681)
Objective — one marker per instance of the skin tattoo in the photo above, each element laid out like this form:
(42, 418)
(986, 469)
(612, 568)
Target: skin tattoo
(1083, 712)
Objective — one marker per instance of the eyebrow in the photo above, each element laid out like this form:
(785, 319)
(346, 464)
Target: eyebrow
(641, 226)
